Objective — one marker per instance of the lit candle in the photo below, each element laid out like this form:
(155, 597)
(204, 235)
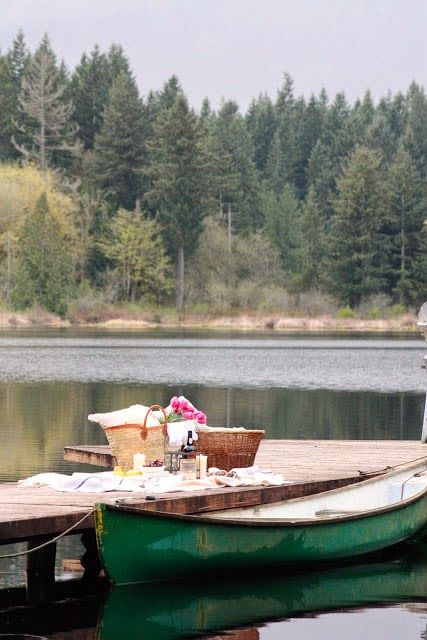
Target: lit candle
(203, 462)
(138, 461)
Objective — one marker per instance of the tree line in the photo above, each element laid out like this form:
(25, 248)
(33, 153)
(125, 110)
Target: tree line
(145, 199)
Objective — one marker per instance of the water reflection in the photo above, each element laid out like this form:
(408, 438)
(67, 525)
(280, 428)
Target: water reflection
(39, 419)
(184, 610)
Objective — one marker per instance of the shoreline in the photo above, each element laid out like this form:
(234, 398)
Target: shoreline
(245, 322)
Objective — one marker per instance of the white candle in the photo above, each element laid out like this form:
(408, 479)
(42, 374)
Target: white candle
(138, 461)
(203, 461)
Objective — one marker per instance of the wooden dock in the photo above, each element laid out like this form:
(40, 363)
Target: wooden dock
(36, 515)
(320, 464)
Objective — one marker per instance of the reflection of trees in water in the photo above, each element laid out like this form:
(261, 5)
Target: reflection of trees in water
(323, 414)
(39, 419)
(424, 634)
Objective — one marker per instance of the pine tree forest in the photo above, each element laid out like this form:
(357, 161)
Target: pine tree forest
(110, 199)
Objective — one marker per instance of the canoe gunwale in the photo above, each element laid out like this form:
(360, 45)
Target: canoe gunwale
(269, 522)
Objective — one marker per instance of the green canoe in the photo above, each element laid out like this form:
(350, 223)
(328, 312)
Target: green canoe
(136, 545)
(171, 611)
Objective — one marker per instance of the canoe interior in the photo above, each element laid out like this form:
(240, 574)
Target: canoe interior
(371, 495)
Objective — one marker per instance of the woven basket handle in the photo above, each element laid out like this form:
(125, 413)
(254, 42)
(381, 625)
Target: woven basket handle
(144, 429)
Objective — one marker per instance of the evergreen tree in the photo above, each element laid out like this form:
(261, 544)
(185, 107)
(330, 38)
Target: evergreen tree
(387, 127)
(12, 68)
(44, 267)
(90, 86)
(415, 137)
(358, 248)
(19, 59)
(360, 120)
(329, 155)
(261, 125)
(281, 162)
(283, 228)
(118, 63)
(420, 267)
(119, 150)
(406, 206)
(234, 180)
(46, 120)
(314, 244)
(309, 121)
(7, 109)
(178, 184)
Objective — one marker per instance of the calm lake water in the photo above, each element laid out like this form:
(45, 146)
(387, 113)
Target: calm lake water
(293, 386)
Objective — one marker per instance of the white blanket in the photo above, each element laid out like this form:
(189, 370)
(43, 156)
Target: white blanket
(134, 414)
(164, 483)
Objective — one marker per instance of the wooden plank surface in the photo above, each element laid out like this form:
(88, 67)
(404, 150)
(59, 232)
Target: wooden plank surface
(308, 464)
(301, 460)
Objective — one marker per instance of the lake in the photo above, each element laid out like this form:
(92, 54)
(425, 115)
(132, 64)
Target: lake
(294, 386)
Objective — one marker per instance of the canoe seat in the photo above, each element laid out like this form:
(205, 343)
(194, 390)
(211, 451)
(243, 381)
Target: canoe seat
(330, 513)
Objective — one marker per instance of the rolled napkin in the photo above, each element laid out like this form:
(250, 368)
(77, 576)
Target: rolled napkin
(135, 414)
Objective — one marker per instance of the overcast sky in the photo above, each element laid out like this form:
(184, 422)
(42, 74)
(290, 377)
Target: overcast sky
(235, 49)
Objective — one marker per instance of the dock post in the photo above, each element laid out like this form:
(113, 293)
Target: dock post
(422, 323)
(90, 560)
(424, 431)
(40, 582)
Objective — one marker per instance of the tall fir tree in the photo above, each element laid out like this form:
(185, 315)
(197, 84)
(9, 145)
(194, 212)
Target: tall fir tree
(261, 125)
(178, 184)
(119, 151)
(281, 161)
(234, 180)
(44, 273)
(283, 228)
(415, 137)
(314, 244)
(7, 110)
(406, 206)
(46, 115)
(12, 68)
(359, 248)
(90, 86)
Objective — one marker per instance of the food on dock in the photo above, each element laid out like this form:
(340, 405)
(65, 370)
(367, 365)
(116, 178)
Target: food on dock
(118, 471)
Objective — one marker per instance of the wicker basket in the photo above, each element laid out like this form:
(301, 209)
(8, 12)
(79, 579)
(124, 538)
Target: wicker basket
(127, 439)
(230, 448)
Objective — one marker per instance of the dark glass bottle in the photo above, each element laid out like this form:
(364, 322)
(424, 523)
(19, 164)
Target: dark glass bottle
(189, 450)
(187, 464)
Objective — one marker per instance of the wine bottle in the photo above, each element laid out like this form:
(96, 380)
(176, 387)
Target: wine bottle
(189, 450)
(188, 459)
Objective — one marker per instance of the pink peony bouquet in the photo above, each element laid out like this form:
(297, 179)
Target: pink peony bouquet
(182, 409)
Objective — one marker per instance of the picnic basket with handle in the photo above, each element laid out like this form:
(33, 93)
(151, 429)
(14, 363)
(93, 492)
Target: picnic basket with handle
(127, 439)
(229, 448)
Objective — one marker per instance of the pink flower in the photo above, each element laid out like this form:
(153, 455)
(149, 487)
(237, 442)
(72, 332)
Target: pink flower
(175, 404)
(185, 405)
(182, 407)
(188, 415)
(200, 417)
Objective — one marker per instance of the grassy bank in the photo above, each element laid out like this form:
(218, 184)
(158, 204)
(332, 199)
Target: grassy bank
(115, 318)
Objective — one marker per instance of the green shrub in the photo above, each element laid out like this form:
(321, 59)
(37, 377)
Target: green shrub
(397, 310)
(345, 312)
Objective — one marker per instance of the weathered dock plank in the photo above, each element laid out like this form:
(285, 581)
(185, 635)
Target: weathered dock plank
(301, 460)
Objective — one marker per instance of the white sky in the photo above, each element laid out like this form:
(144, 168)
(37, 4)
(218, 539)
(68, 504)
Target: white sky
(236, 49)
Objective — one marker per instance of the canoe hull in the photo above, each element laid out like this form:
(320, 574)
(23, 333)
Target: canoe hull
(138, 546)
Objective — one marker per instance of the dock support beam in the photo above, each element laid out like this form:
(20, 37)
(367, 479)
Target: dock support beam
(41, 571)
(424, 432)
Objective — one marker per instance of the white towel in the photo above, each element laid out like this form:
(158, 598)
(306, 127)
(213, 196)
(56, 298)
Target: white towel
(163, 483)
(134, 414)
